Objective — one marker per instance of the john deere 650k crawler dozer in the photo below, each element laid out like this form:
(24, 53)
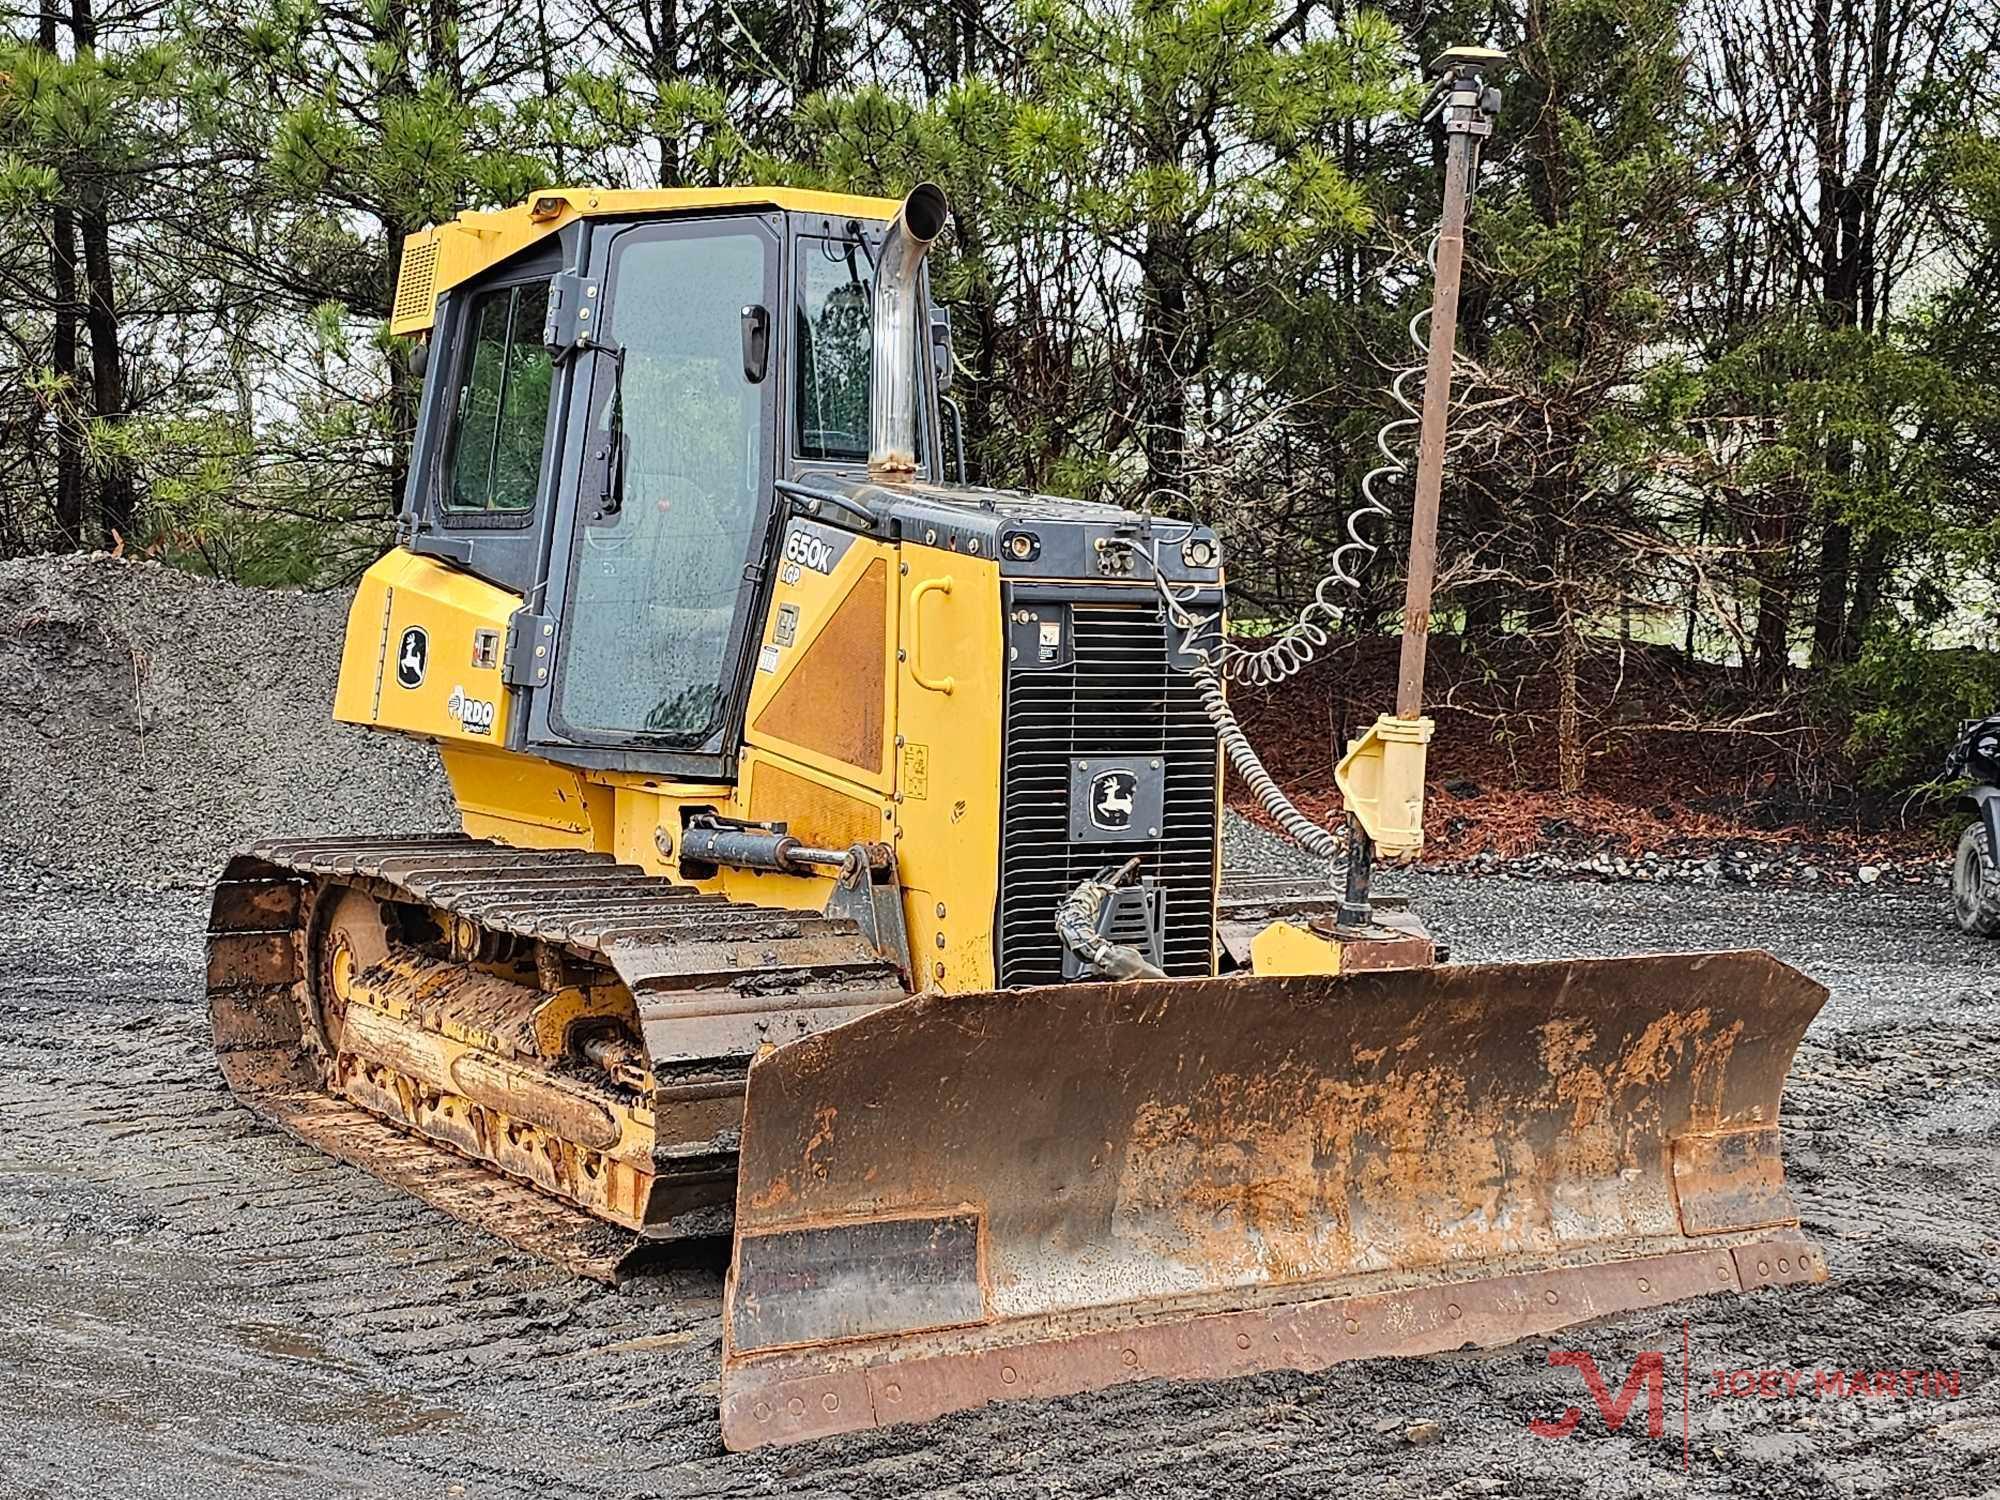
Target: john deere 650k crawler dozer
(840, 869)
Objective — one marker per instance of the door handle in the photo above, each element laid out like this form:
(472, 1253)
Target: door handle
(928, 586)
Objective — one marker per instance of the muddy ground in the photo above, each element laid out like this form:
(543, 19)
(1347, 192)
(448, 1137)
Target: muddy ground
(192, 1304)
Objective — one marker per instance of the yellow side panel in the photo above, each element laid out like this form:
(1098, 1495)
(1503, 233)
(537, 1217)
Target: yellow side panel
(948, 763)
(823, 689)
(832, 702)
(523, 800)
(817, 810)
(422, 653)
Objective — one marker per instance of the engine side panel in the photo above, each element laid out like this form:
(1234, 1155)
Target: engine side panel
(824, 689)
(948, 763)
(423, 651)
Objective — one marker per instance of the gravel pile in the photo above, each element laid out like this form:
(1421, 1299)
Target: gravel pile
(152, 721)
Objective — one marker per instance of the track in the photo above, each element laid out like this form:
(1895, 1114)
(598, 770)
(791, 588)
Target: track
(192, 1304)
(709, 980)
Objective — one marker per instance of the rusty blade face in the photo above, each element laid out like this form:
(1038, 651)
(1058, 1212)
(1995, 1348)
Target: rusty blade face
(1039, 1191)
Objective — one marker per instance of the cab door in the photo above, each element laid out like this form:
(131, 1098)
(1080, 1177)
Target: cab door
(654, 573)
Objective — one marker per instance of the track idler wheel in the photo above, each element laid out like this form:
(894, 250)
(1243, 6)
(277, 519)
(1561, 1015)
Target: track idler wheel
(346, 938)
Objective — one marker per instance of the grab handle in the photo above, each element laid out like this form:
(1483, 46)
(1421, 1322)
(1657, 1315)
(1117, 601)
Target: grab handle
(935, 684)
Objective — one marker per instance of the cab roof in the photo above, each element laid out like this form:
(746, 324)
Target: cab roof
(440, 257)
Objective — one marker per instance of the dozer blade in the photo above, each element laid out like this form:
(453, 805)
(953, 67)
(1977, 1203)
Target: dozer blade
(1037, 1192)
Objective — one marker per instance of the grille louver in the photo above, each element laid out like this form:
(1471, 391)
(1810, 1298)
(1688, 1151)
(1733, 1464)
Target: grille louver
(416, 286)
(1119, 697)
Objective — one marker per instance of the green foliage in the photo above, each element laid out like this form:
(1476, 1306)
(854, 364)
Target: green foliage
(217, 505)
(1905, 701)
(1188, 239)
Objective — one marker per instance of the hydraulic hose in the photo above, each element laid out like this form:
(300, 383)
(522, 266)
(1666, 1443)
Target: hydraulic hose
(1078, 924)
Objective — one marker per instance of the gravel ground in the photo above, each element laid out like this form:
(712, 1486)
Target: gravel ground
(1887, 953)
(193, 1305)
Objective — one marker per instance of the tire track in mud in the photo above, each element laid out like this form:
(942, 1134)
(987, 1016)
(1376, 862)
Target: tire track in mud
(191, 1280)
(193, 1304)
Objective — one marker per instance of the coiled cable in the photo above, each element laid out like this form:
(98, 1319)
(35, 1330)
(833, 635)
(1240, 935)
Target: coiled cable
(1198, 633)
(1295, 647)
(1218, 659)
(1320, 842)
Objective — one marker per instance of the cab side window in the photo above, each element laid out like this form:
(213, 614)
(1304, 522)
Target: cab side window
(500, 417)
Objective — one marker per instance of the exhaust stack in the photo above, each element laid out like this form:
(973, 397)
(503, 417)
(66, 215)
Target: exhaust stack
(898, 349)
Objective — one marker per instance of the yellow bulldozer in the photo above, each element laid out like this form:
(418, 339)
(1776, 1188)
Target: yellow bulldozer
(840, 871)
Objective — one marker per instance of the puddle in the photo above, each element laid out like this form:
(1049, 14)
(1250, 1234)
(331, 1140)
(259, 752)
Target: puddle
(288, 1343)
(383, 1413)
(396, 1416)
(644, 1345)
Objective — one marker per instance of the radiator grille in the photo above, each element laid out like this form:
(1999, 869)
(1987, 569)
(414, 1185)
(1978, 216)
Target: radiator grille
(1120, 696)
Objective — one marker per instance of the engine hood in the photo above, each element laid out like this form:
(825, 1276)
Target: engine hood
(1030, 535)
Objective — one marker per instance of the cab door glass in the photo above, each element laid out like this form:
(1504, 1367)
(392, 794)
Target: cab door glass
(666, 525)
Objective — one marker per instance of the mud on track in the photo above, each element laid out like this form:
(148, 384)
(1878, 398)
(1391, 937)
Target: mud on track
(193, 1305)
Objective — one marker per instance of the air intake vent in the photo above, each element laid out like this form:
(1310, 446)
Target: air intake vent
(1110, 692)
(416, 286)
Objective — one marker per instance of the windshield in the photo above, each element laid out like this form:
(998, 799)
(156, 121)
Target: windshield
(830, 400)
(660, 557)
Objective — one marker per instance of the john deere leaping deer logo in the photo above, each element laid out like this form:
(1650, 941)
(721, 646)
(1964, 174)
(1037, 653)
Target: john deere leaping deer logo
(1111, 794)
(411, 655)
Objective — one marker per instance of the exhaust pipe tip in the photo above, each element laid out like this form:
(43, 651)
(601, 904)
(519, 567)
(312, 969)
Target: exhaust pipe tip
(924, 212)
(896, 389)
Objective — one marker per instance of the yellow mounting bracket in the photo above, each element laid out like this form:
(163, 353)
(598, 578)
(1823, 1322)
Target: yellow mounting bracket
(1381, 780)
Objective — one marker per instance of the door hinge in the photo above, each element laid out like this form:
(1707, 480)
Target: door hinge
(573, 314)
(531, 650)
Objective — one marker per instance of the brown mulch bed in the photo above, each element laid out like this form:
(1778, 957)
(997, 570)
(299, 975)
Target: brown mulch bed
(1680, 759)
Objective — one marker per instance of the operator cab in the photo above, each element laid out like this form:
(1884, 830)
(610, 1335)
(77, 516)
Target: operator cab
(602, 428)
